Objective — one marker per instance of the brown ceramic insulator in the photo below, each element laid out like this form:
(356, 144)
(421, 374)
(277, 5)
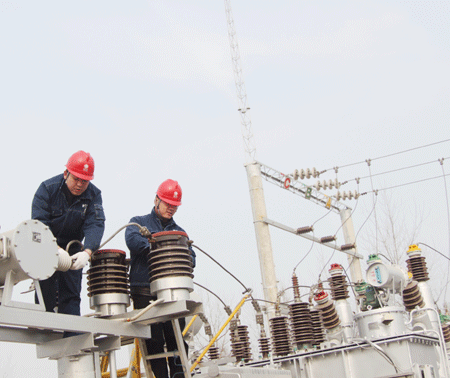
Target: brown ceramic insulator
(296, 287)
(169, 255)
(213, 353)
(418, 267)
(241, 344)
(339, 287)
(280, 335)
(108, 273)
(412, 296)
(301, 324)
(329, 315)
(318, 328)
(264, 347)
(446, 332)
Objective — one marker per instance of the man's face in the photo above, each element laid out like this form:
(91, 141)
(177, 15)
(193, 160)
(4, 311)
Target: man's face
(76, 185)
(164, 209)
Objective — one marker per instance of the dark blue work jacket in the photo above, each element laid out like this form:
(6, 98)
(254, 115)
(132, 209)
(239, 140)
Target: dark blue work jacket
(139, 245)
(84, 219)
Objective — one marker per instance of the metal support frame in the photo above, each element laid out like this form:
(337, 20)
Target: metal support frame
(297, 187)
(97, 335)
(7, 291)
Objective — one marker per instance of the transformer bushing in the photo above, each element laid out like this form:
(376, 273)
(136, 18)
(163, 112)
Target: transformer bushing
(213, 353)
(328, 311)
(412, 297)
(240, 344)
(280, 336)
(318, 328)
(264, 347)
(338, 283)
(170, 266)
(301, 324)
(416, 264)
(108, 283)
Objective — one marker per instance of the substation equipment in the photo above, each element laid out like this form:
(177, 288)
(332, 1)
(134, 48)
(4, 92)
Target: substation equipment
(30, 252)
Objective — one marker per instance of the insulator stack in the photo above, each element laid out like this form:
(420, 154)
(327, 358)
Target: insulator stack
(280, 335)
(412, 296)
(213, 353)
(328, 311)
(446, 332)
(301, 324)
(108, 284)
(416, 264)
(338, 283)
(170, 266)
(318, 328)
(264, 347)
(308, 173)
(240, 344)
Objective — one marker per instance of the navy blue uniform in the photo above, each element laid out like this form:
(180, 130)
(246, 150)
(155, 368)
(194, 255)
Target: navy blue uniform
(162, 333)
(76, 218)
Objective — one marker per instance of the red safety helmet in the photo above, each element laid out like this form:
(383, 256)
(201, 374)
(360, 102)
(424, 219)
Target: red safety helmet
(81, 165)
(169, 191)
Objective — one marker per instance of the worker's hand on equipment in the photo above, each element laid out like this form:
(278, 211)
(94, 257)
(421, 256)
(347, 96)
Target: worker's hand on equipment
(79, 260)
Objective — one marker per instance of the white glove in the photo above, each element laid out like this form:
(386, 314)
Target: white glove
(79, 260)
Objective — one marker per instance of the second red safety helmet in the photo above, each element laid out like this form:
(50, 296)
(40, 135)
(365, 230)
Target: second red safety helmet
(81, 164)
(170, 191)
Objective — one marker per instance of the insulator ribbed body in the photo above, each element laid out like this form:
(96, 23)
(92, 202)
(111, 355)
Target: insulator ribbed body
(339, 287)
(318, 328)
(412, 296)
(301, 324)
(264, 347)
(240, 344)
(446, 332)
(329, 314)
(280, 335)
(170, 256)
(213, 353)
(418, 267)
(108, 273)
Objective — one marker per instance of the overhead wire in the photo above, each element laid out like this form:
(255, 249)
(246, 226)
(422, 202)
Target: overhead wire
(441, 161)
(232, 275)
(388, 155)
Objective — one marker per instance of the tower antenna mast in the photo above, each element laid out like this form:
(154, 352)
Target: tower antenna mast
(244, 109)
(263, 241)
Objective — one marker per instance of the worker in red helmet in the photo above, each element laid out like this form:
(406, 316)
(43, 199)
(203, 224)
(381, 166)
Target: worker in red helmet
(166, 203)
(71, 206)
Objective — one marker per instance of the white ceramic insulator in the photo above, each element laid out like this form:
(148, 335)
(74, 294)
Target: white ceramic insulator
(344, 195)
(337, 183)
(318, 185)
(302, 174)
(325, 184)
(315, 173)
(308, 173)
(331, 184)
(338, 195)
(350, 194)
(64, 260)
(296, 174)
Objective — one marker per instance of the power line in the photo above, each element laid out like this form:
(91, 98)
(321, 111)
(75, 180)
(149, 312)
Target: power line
(408, 183)
(396, 170)
(389, 155)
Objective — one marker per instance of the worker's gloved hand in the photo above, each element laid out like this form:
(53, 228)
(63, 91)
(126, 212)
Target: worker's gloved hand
(79, 260)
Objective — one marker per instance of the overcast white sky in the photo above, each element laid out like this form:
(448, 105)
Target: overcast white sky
(147, 88)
